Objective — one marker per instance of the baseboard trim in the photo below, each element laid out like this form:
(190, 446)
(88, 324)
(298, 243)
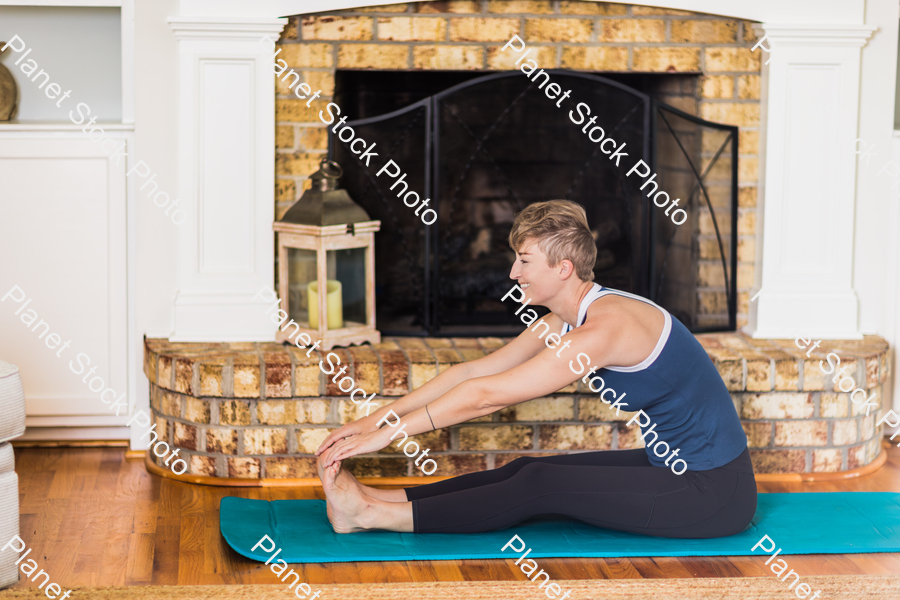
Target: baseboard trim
(74, 443)
(75, 433)
(155, 469)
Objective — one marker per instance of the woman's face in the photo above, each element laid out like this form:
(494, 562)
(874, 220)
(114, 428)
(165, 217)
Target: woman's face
(537, 279)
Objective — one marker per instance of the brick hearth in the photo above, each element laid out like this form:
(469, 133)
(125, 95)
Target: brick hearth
(259, 410)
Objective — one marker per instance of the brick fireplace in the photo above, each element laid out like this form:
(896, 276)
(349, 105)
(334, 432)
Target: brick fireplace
(253, 412)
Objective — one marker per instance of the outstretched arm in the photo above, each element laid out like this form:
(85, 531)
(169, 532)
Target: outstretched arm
(526, 346)
(543, 374)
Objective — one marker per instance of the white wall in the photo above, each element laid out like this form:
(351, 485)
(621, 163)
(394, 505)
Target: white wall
(156, 123)
(873, 201)
(876, 233)
(79, 47)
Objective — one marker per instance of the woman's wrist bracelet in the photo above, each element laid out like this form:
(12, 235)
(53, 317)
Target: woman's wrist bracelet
(433, 428)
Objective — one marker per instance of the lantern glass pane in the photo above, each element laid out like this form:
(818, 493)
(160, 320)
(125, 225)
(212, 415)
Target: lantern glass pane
(348, 268)
(301, 272)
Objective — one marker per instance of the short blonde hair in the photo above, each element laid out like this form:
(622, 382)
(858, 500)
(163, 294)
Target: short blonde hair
(561, 231)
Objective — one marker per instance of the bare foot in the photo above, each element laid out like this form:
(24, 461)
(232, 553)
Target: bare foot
(383, 495)
(346, 504)
(320, 468)
(378, 494)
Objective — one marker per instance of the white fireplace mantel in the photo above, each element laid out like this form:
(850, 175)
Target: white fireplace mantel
(768, 11)
(226, 176)
(810, 100)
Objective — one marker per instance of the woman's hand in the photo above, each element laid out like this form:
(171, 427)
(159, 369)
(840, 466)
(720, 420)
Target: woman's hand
(364, 425)
(357, 444)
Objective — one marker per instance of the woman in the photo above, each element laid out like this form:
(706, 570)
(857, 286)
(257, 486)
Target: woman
(641, 351)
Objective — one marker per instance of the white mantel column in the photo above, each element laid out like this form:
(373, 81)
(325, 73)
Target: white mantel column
(805, 217)
(226, 176)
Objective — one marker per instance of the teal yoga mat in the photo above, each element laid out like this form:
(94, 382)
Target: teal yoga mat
(813, 523)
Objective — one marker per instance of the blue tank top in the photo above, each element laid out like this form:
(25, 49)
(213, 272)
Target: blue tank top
(681, 391)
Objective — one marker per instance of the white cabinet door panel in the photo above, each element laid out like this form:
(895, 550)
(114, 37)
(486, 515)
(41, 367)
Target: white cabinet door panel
(63, 242)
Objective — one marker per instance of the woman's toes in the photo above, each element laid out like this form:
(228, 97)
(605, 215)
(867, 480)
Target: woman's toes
(346, 503)
(329, 476)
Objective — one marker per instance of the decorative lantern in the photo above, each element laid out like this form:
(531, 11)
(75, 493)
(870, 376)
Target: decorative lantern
(326, 265)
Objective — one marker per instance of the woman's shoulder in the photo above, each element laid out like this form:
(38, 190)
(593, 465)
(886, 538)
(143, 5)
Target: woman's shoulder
(554, 320)
(615, 303)
(607, 305)
(633, 325)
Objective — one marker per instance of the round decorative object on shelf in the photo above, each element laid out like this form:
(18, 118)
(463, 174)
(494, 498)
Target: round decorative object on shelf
(9, 93)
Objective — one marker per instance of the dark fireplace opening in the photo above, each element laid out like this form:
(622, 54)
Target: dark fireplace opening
(482, 147)
(366, 94)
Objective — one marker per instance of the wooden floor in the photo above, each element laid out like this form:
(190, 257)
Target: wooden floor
(94, 518)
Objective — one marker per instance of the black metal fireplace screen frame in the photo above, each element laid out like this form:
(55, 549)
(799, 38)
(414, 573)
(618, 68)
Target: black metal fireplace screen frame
(657, 120)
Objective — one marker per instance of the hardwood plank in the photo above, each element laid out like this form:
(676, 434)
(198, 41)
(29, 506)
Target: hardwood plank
(191, 548)
(62, 556)
(564, 568)
(118, 525)
(34, 490)
(216, 562)
(810, 564)
(491, 570)
(139, 568)
(384, 571)
(43, 524)
(434, 570)
(662, 567)
(114, 568)
(750, 566)
(709, 566)
(332, 573)
(619, 568)
(448, 568)
(94, 539)
(877, 564)
(191, 538)
(62, 485)
(168, 535)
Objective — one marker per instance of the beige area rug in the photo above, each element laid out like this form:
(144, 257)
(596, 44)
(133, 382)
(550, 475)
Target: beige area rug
(839, 587)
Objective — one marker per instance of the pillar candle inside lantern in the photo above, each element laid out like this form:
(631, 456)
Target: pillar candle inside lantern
(334, 310)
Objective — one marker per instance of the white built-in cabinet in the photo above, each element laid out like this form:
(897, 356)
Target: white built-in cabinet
(66, 219)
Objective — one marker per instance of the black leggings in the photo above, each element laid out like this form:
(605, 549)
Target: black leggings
(614, 489)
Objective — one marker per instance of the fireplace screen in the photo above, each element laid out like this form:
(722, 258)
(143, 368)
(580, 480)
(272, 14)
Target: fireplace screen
(486, 148)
